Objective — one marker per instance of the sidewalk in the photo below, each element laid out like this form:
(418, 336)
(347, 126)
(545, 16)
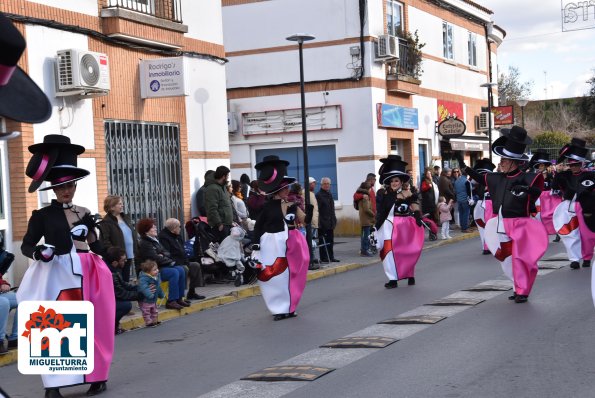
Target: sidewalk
(346, 249)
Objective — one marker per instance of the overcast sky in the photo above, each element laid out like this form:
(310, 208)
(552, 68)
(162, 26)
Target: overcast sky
(536, 44)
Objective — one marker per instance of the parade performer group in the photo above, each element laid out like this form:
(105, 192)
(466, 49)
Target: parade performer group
(549, 198)
(63, 267)
(399, 231)
(512, 236)
(572, 216)
(282, 250)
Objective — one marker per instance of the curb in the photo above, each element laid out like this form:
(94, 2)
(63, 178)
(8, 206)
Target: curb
(137, 322)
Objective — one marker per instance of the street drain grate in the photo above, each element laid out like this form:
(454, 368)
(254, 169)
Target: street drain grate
(360, 342)
(488, 288)
(551, 264)
(456, 301)
(414, 320)
(289, 373)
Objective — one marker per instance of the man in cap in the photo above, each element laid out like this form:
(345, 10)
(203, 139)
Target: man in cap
(514, 238)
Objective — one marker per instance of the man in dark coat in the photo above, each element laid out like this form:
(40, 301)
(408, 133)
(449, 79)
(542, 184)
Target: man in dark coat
(172, 241)
(327, 220)
(201, 211)
(218, 203)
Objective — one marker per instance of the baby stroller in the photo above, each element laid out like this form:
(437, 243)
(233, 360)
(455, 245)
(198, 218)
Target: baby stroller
(431, 226)
(231, 252)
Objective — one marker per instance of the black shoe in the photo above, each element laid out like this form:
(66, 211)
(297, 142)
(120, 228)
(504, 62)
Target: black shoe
(335, 260)
(313, 267)
(292, 315)
(521, 299)
(52, 393)
(194, 296)
(173, 305)
(586, 264)
(512, 297)
(13, 344)
(3, 349)
(279, 317)
(391, 284)
(97, 388)
(557, 238)
(183, 302)
(575, 265)
(411, 281)
(486, 252)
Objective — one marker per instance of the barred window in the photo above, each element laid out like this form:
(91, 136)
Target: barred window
(447, 40)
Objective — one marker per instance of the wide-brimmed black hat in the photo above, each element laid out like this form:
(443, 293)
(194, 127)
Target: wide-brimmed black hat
(46, 155)
(483, 166)
(20, 98)
(540, 156)
(272, 176)
(512, 144)
(393, 166)
(575, 152)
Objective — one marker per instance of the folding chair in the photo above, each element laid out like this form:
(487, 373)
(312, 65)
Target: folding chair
(316, 246)
(165, 287)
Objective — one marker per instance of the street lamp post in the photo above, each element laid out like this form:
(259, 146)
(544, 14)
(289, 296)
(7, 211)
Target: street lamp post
(522, 103)
(489, 85)
(300, 38)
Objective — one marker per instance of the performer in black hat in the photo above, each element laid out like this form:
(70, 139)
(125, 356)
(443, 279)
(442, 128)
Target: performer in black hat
(513, 237)
(482, 212)
(569, 214)
(399, 233)
(20, 98)
(64, 269)
(282, 251)
(549, 198)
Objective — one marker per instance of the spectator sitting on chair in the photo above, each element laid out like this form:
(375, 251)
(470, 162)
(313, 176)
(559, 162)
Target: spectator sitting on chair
(218, 203)
(327, 220)
(8, 301)
(172, 241)
(149, 248)
(125, 292)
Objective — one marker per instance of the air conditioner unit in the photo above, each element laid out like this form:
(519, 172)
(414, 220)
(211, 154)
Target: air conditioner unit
(388, 47)
(80, 72)
(232, 122)
(481, 121)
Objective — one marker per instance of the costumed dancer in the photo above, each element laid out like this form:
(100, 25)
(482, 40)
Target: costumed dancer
(549, 198)
(569, 217)
(585, 204)
(513, 237)
(282, 251)
(399, 231)
(482, 212)
(64, 269)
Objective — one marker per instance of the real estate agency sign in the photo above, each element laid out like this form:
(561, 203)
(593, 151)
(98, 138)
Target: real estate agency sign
(162, 77)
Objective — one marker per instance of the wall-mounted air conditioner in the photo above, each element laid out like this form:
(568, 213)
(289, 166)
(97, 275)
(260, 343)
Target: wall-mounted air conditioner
(481, 121)
(80, 72)
(387, 48)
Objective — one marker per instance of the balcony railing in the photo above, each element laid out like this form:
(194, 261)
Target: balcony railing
(170, 10)
(406, 65)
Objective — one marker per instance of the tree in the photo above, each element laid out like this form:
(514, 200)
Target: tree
(510, 88)
(550, 139)
(587, 103)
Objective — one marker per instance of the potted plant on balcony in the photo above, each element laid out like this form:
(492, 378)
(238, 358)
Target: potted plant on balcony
(409, 66)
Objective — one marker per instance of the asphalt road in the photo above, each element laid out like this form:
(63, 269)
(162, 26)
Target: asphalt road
(495, 349)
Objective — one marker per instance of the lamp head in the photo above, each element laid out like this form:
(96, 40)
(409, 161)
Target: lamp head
(300, 37)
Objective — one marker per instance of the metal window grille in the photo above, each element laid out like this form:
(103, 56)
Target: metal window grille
(144, 167)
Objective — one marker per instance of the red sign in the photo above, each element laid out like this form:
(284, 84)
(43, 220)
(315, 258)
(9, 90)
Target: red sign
(446, 108)
(503, 115)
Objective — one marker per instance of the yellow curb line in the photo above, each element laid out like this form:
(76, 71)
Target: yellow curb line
(137, 321)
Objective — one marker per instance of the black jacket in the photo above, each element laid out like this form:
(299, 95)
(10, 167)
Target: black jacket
(124, 291)
(149, 249)
(111, 235)
(507, 192)
(326, 210)
(174, 244)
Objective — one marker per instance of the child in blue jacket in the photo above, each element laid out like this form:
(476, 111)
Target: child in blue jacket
(149, 286)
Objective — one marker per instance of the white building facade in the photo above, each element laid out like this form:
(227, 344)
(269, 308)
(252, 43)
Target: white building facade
(362, 101)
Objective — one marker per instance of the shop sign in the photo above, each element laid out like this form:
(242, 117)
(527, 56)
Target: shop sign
(451, 127)
(290, 120)
(503, 115)
(394, 116)
(469, 146)
(577, 15)
(162, 77)
(449, 108)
